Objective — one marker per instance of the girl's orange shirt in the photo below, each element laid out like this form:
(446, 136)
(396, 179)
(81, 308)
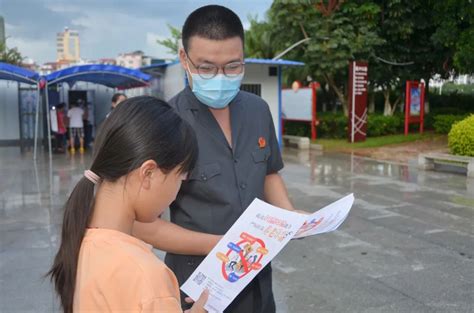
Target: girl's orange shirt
(119, 273)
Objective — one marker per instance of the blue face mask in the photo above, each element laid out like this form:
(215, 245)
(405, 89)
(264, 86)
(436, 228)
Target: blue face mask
(218, 91)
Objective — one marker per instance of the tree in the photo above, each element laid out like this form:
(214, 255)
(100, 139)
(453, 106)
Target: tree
(172, 43)
(454, 21)
(12, 56)
(422, 38)
(259, 40)
(339, 31)
(393, 59)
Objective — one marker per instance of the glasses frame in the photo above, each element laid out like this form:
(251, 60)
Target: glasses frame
(207, 76)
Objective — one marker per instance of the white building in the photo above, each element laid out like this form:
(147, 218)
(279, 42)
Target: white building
(131, 59)
(68, 46)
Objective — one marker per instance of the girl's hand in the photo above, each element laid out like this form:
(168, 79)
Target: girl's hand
(198, 306)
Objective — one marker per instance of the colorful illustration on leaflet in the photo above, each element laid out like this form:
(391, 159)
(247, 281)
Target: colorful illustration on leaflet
(242, 257)
(307, 226)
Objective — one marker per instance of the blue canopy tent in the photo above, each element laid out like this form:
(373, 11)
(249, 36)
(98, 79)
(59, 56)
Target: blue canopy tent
(108, 75)
(22, 75)
(18, 74)
(279, 62)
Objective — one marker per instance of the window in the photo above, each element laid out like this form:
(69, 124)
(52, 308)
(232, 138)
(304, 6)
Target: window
(272, 71)
(252, 88)
(72, 47)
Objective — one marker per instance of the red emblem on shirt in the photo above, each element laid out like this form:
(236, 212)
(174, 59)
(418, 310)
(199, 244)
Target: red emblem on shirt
(261, 142)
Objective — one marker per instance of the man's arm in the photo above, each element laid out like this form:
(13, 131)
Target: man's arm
(275, 192)
(169, 237)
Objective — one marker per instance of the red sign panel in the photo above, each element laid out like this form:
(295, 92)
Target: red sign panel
(358, 76)
(414, 104)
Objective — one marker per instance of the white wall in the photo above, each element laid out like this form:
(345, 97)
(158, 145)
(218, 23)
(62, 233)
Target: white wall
(258, 74)
(173, 81)
(9, 114)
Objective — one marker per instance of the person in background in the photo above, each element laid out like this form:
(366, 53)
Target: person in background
(116, 99)
(62, 130)
(87, 123)
(76, 127)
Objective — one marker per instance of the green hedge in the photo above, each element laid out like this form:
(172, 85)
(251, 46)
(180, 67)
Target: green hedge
(439, 104)
(451, 104)
(429, 121)
(461, 137)
(334, 126)
(298, 129)
(442, 123)
(379, 125)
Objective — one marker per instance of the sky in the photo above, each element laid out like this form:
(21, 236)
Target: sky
(106, 27)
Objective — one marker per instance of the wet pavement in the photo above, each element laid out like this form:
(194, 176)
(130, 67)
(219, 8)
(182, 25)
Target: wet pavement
(407, 245)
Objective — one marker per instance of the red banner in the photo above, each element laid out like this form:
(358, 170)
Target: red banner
(358, 77)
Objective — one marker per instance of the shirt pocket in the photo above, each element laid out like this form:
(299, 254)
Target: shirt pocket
(261, 155)
(205, 172)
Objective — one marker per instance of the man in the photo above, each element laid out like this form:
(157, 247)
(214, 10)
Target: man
(76, 126)
(116, 99)
(239, 157)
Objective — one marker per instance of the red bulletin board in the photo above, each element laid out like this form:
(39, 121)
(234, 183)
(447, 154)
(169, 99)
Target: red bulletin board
(414, 104)
(309, 115)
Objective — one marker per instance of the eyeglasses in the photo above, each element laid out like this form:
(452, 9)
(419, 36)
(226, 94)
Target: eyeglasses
(209, 70)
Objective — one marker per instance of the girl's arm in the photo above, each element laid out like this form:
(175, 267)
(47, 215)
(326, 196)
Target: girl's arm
(169, 237)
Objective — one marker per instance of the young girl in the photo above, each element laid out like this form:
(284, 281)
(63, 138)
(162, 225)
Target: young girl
(143, 152)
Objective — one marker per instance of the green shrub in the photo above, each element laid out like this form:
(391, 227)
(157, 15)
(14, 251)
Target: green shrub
(451, 104)
(332, 126)
(301, 129)
(447, 110)
(461, 137)
(442, 123)
(380, 125)
(429, 121)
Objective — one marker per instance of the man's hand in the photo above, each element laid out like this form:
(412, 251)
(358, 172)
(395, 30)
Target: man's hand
(169, 237)
(275, 192)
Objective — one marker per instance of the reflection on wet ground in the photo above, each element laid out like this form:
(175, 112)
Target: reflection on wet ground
(407, 245)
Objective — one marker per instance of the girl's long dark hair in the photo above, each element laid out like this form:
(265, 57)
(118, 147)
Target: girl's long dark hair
(139, 129)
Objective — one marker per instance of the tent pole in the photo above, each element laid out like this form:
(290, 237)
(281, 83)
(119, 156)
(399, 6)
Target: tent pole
(36, 122)
(48, 117)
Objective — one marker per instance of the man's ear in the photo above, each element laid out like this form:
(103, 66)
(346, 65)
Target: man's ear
(182, 58)
(185, 65)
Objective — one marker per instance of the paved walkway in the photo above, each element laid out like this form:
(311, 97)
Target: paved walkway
(407, 245)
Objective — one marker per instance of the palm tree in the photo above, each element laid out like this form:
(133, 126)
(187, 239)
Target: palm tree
(12, 56)
(259, 41)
